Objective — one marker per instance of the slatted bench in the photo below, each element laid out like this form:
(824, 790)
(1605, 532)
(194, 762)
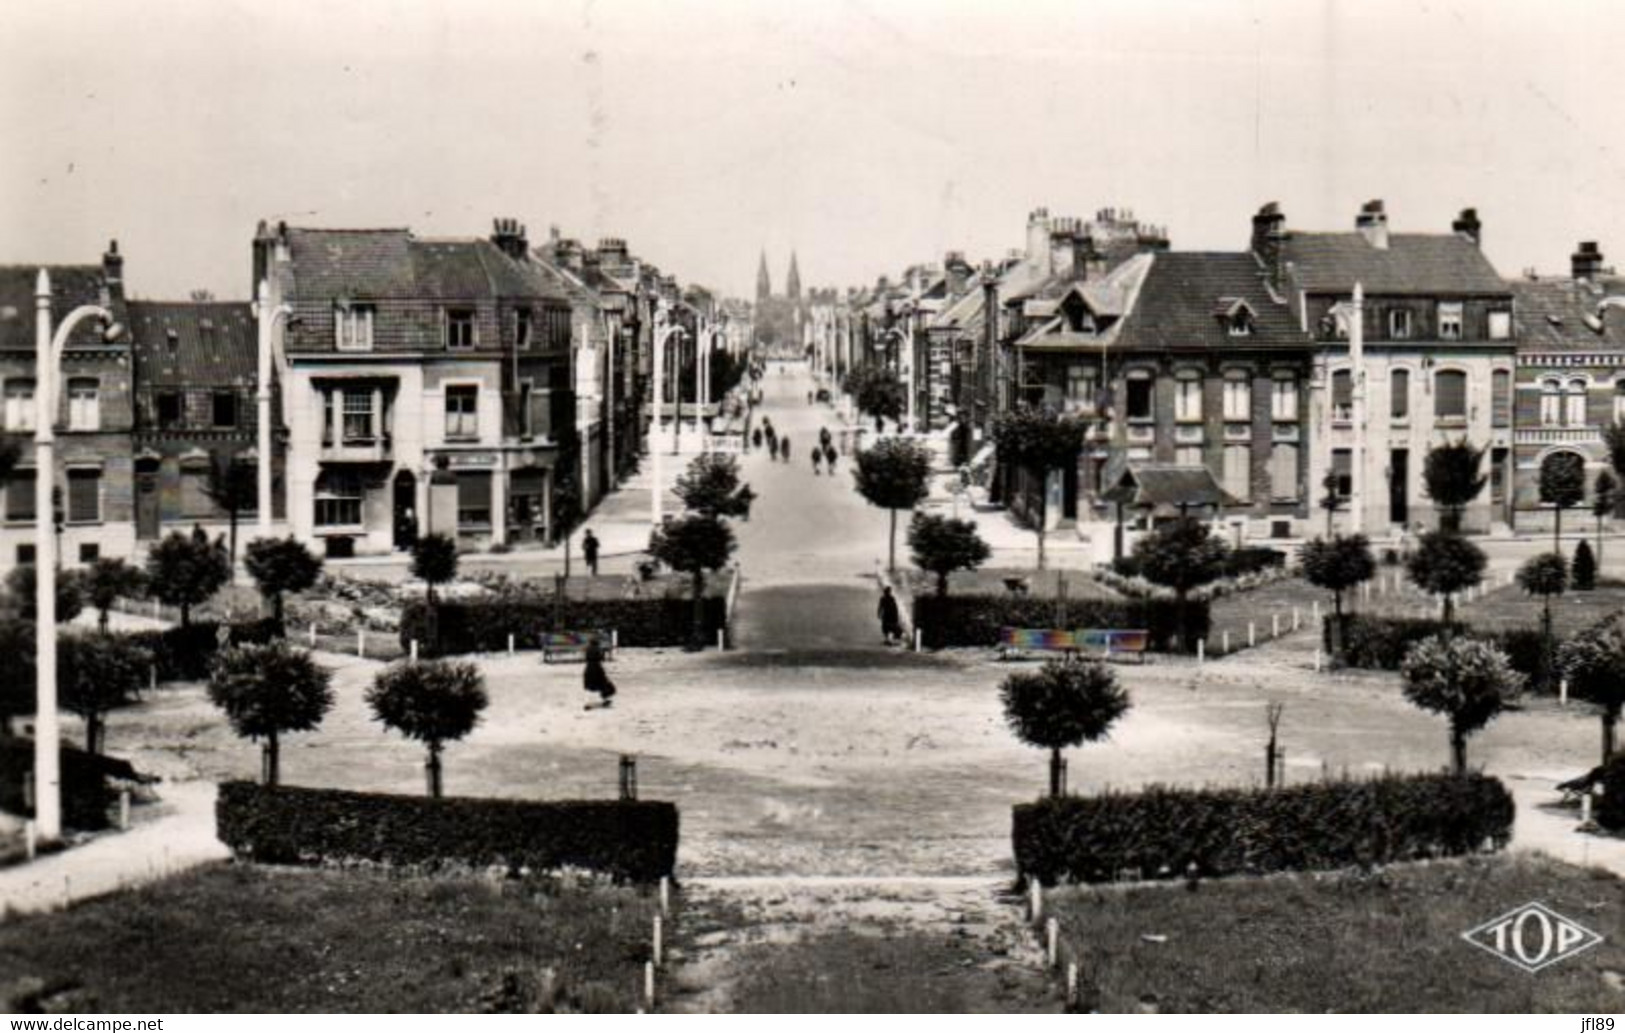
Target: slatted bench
(572, 645)
(1105, 643)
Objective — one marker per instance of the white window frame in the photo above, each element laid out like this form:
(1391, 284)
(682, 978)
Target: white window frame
(473, 327)
(1341, 412)
(1466, 395)
(1395, 375)
(1238, 470)
(79, 473)
(369, 405)
(353, 327)
(1238, 396)
(1500, 325)
(1551, 403)
(22, 403)
(524, 327)
(1451, 319)
(1188, 455)
(1401, 324)
(473, 417)
(1081, 388)
(327, 494)
(1574, 403)
(84, 403)
(1287, 492)
(1187, 397)
(1284, 398)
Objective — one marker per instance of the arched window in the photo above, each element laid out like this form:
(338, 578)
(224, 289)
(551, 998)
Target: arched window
(1450, 394)
(1551, 403)
(1574, 403)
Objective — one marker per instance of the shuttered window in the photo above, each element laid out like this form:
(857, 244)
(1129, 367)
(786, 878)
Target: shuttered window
(1450, 394)
(473, 501)
(1501, 398)
(1342, 396)
(20, 495)
(84, 496)
(1284, 472)
(1399, 394)
(1238, 470)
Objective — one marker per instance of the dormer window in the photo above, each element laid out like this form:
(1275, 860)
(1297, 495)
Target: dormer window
(459, 328)
(1080, 319)
(1399, 324)
(1237, 316)
(352, 326)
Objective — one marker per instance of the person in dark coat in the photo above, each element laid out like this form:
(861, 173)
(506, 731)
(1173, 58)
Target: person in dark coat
(891, 617)
(784, 447)
(772, 443)
(595, 678)
(756, 438)
(824, 437)
(817, 457)
(589, 549)
(829, 458)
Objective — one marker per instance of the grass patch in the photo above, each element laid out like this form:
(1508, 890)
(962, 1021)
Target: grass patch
(895, 972)
(1511, 607)
(1042, 584)
(231, 938)
(1388, 941)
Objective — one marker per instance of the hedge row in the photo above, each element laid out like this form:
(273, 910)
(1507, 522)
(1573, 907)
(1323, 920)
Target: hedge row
(632, 840)
(975, 620)
(483, 625)
(86, 796)
(1161, 832)
(1237, 562)
(185, 653)
(1380, 643)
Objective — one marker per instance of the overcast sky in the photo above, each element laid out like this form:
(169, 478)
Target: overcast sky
(865, 135)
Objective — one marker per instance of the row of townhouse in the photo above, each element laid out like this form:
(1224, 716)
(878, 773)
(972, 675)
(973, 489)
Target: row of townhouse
(1237, 366)
(476, 386)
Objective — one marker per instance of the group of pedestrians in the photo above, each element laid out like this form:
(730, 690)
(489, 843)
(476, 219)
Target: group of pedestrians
(776, 446)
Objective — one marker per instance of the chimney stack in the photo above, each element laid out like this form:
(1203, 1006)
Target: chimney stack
(1063, 233)
(113, 272)
(1038, 237)
(1269, 230)
(1372, 222)
(1586, 262)
(957, 271)
(1467, 225)
(509, 237)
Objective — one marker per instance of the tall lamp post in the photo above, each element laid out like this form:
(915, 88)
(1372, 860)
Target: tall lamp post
(47, 731)
(664, 330)
(267, 317)
(905, 344)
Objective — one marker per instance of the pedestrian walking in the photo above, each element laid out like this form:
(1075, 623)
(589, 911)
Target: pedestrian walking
(772, 445)
(829, 458)
(891, 617)
(824, 437)
(595, 678)
(756, 438)
(817, 457)
(784, 448)
(589, 550)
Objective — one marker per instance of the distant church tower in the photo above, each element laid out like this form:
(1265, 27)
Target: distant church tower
(764, 284)
(792, 282)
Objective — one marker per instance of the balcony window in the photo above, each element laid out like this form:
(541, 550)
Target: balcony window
(1501, 398)
(1399, 394)
(354, 325)
(19, 404)
(84, 405)
(1450, 395)
(338, 499)
(459, 328)
(462, 412)
(84, 496)
(1342, 396)
(360, 417)
(1551, 403)
(1449, 320)
(1342, 472)
(1238, 395)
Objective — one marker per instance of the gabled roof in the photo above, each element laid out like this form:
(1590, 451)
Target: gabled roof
(392, 263)
(190, 343)
(71, 286)
(1185, 293)
(1168, 486)
(1552, 316)
(1412, 263)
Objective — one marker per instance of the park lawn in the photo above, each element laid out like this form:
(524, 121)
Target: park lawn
(1511, 607)
(1386, 941)
(234, 938)
(1044, 584)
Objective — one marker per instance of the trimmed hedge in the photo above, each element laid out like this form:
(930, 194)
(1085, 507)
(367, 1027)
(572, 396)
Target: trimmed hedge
(1237, 562)
(1161, 832)
(86, 796)
(185, 653)
(483, 625)
(1380, 643)
(975, 620)
(632, 840)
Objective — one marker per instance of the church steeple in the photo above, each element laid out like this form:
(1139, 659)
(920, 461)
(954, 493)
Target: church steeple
(792, 280)
(764, 284)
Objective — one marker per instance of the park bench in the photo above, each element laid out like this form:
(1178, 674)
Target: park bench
(1105, 643)
(572, 645)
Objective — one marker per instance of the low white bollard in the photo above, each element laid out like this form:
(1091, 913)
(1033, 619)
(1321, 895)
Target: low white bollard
(361, 642)
(1052, 941)
(919, 638)
(1585, 809)
(1297, 618)
(1275, 625)
(313, 634)
(656, 948)
(1035, 903)
(157, 614)
(30, 839)
(1252, 635)
(1072, 982)
(1201, 650)
(1317, 659)
(649, 983)
(614, 638)
(1314, 612)
(124, 810)
(414, 650)
(152, 678)
(665, 895)
(1224, 640)
(1563, 692)
(510, 643)
(722, 638)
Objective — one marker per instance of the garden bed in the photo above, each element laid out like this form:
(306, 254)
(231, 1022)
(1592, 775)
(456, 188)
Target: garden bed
(244, 939)
(1383, 941)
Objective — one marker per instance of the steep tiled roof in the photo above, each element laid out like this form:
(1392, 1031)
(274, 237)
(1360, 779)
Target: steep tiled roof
(1551, 317)
(1412, 263)
(200, 344)
(1165, 485)
(360, 263)
(71, 286)
(1177, 298)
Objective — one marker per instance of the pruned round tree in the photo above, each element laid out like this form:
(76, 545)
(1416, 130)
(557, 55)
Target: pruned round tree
(1594, 663)
(107, 581)
(1443, 564)
(434, 562)
(96, 674)
(1583, 571)
(1063, 704)
(877, 393)
(711, 486)
(186, 570)
(1562, 486)
(1044, 442)
(23, 588)
(1181, 555)
(1338, 564)
(1467, 680)
(269, 691)
(1545, 575)
(232, 485)
(433, 702)
(942, 545)
(281, 566)
(894, 474)
(1451, 476)
(693, 544)
(1605, 499)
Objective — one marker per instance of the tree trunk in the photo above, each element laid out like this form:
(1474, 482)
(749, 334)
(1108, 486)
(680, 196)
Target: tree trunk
(1043, 513)
(1057, 773)
(1599, 545)
(101, 620)
(1449, 615)
(1610, 724)
(1450, 520)
(696, 638)
(1557, 530)
(1334, 639)
(271, 761)
(1179, 617)
(93, 734)
(1269, 763)
(1458, 750)
(1548, 648)
(186, 615)
(891, 547)
(232, 518)
(942, 584)
(432, 768)
(277, 613)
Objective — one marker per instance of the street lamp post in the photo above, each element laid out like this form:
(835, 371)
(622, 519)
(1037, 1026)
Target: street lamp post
(664, 329)
(47, 730)
(267, 317)
(1357, 416)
